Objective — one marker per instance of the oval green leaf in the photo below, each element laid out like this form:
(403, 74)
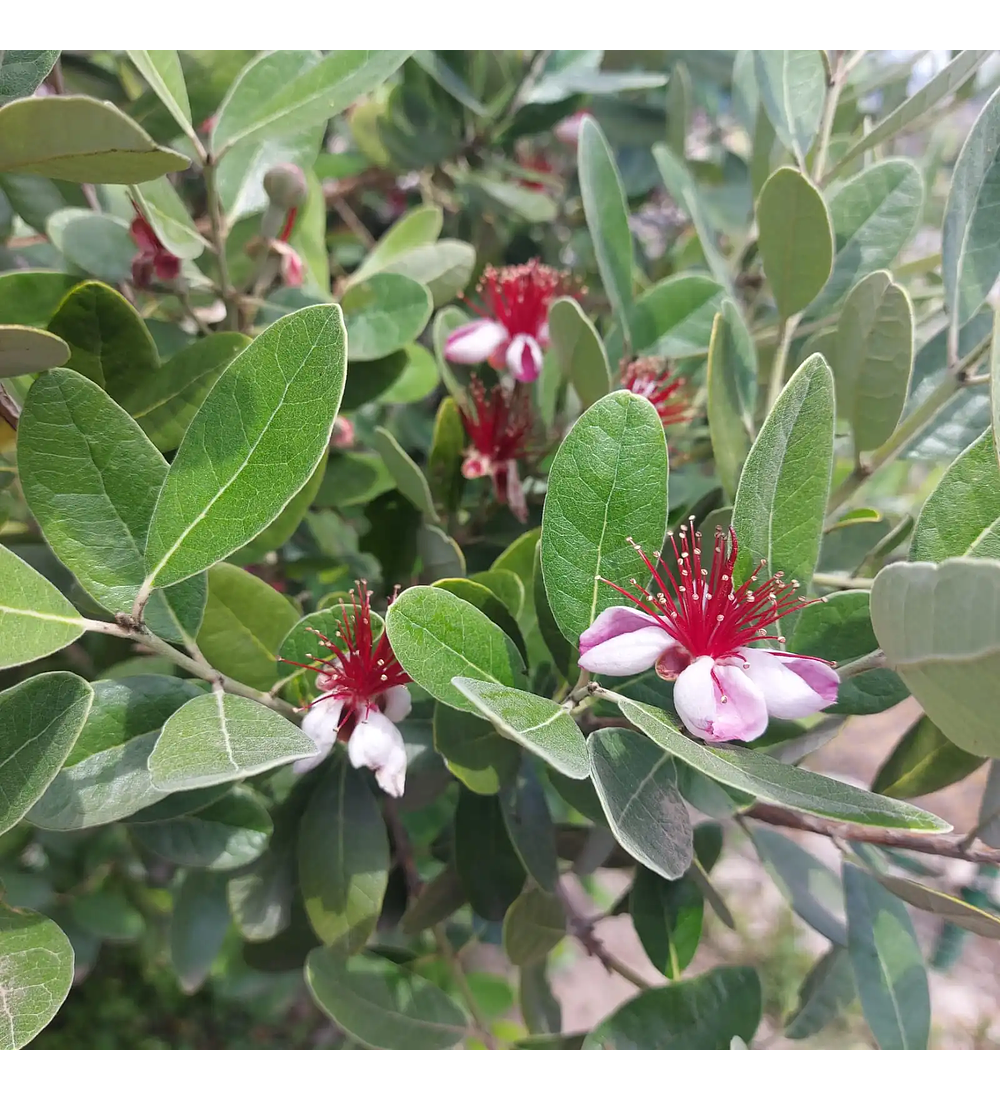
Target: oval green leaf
(26, 350)
(36, 977)
(923, 761)
(36, 619)
(578, 350)
(407, 474)
(792, 87)
(732, 394)
(384, 313)
(671, 319)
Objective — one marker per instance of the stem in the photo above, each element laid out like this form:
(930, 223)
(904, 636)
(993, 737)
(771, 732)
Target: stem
(583, 929)
(950, 847)
(219, 233)
(838, 580)
(480, 1023)
(786, 331)
(875, 659)
(835, 84)
(199, 668)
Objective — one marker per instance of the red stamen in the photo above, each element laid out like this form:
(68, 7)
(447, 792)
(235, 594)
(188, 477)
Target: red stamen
(652, 378)
(286, 232)
(519, 297)
(497, 425)
(701, 609)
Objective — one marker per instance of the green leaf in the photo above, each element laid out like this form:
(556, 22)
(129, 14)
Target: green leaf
(961, 517)
(505, 584)
(539, 725)
(260, 899)
(343, 858)
(780, 784)
(491, 872)
(948, 80)
(353, 478)
(163, 73)
(167, 400)
(368, 382)
(578, 350)
(216, 738)
(289, 90)
(245, 623)
(519, 557)
(971, 230)
(198, 926)
(606, 211)
(994, 381)
(939, 630)
(702, 1013)
(888, 966)
(91, 479)
(421, 225)
(435, 903)
(873, 358)
(443, 267)
(36, 619)
(826, 993)
(562, 651)
(732, 394)
(26, 350)
(529, 826)
(473, 751)
(539, 1008)
(109, 344)
(96, 243)
(40, 719)
(74, 137)
(240, 175)
(21, 71)
(231, 832)
(488, 602)
(407, 474)
(384, 313)
(636, 783)
(437, 636)
(107, 914)
(418, 380)
(953, 910)
(533, 926)
(383, 1005)
(792, 86)
(31, 297)
(795, 237)
(781, 500)
(671, 319)
(667, 917)
(923, 761)
(602, 491)
(37, 973)
(231, 477)
(989, 810)
(812, 889)
(874, 214)
(165, 211)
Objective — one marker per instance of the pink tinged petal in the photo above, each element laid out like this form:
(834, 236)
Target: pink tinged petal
(320, 726)
(396, 703)
(719, 702)
(621, 645)
(524, 358)
(476, 465)
(515, 492)
(613, 621)
(792, 686)
(377, 744)
(475, 342)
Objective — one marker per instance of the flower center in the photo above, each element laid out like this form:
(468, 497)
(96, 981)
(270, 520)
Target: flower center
(652, 378)
(519, 297)
(497, 426)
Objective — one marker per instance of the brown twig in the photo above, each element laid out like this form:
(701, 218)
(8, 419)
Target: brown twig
(583, 929)
(9, 411)
(404, 849)
(950, 847)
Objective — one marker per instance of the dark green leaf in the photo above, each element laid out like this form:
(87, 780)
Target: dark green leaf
(474, 752)
(673, 318)
(491, 873)
(534, 925)
(923, 761)
(21, 71)
(732, 394)
(667, 917)
(198, 926)
(826, 993)
(529, 825)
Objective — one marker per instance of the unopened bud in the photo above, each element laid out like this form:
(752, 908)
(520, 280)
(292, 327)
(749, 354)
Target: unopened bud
(285, 185)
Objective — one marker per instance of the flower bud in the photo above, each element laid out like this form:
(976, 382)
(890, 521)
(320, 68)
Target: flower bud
(285, 185)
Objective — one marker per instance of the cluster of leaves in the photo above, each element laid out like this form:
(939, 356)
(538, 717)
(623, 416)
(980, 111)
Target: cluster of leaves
(177, 520)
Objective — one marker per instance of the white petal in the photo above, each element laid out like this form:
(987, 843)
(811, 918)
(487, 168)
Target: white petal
(475, 342)
(515, 492)
(792, 686)
(377, 744)
(613, 621)
(320, 726)
(629, 653)
(524, 358)
(397, 703)
(719, 702)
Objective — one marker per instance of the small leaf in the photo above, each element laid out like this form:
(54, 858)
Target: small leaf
(603, 489)
(607, 219)
(795, 239)
(343, 858)
(231, 832)
(781, 499)
(534, 925)
(667, 917)
(26, 350)
(539, 725)
(529, 826)
(827, 992)
(165, 211)
(435, 903)
(702, 1013)
(383, 1005)
(40, 719)
(539, 1008)
(888, 966)
(792, 85)
(245, 623)
(953, 910)
(96, 243)
(198, 926)
(938, 627)
(636, 783)
(36, 976)
(407, 474)
(923, 761)
(671, 319)
(579, 351)
(437, 636)
(474, 752)
(163, 73)
(21, 71)
(421, 225)
(780, 784)
(384, 313)
(36, 619)
(222, 488)
(873, 358)
(491, 873)
(732, 394)
(215, 738)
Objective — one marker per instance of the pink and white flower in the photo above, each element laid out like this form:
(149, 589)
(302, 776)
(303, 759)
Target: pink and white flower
(363, 696)
(513, 328)
(697, 630)
(665, 391)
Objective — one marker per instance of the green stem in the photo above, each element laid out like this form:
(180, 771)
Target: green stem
(786, 333)
(839, 580)
(447, 953)
(875, 659)
(836, 83)
(219, 233)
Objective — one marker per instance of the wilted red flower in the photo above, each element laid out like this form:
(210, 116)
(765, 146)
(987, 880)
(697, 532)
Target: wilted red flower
(652, 378)
(153, 258)
(497, 426)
